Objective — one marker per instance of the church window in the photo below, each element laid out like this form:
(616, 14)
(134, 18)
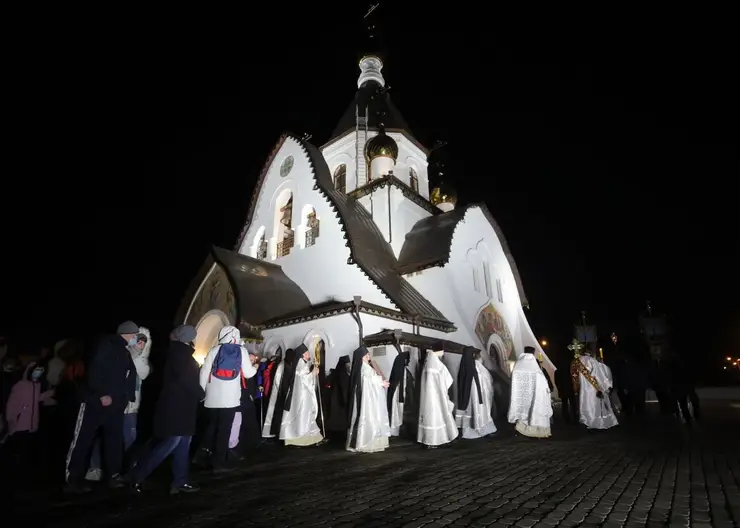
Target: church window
(340, 178)
(499, 290)
(312, 228)
(287, 238)
(487, 279)
(476, 279)
(262, 247)
(413, 180)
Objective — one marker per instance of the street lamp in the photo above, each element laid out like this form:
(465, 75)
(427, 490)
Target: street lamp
(543, 342)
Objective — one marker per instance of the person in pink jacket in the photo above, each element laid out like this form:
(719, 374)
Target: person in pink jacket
(25, 400)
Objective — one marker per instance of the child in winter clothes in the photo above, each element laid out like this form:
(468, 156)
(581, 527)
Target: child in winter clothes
(25, 400)
(22, 414)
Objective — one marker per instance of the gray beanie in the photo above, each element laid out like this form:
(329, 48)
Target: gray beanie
(128, 327)
(184, 333)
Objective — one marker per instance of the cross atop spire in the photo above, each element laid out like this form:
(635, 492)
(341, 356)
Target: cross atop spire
(369, 20)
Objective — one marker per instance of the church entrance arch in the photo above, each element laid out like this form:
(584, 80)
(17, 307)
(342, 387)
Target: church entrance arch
(207, 331)
(496, 351)
(273, 346)
(501, 377)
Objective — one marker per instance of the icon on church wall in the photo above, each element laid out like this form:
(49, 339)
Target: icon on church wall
(286, 166)
(216, 294)
(490, 322)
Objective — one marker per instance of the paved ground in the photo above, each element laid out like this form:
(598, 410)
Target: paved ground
(659, 475)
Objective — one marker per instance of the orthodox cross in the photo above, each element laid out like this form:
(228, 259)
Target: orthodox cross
(369, 23)
(575, 347)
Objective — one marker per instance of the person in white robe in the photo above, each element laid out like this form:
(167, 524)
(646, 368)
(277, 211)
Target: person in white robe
(592, 385)
(613, 397)
(474, 396)
(298, 426)
(271, 428)
(531, 406)
(397, 391)
(436, 422)
(368, 411)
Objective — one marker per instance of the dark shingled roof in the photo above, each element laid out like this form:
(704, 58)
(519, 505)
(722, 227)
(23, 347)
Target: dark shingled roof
(428, 243)
(380, 109)
(368, 248)
(387, 337)
(263, 291)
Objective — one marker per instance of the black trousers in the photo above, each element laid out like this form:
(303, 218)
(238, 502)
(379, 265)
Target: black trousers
(570, 407)
(250, 433)
(220, 422)
(91, 417)
(683, 397)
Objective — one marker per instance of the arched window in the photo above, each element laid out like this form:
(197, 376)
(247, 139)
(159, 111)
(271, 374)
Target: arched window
(340, 178)
(261, 249)
(487, 279)
(312, 228)
(285, 233)
(413, 180)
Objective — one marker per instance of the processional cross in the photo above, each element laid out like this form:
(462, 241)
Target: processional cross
(576, 347)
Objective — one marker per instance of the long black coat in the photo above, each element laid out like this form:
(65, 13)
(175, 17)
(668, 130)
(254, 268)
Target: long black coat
(177, 407)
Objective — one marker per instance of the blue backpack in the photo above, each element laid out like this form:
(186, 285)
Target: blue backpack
(227, 365)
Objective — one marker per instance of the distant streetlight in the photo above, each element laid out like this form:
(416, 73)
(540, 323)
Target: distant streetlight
(543, 342)
(729, 358)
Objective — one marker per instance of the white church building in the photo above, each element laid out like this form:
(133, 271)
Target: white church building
(346, 244)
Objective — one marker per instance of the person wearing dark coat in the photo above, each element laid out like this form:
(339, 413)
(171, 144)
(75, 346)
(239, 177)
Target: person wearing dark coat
(337, 421)
(250, 431)
(568, 398)
(175, 414)
(110, 384)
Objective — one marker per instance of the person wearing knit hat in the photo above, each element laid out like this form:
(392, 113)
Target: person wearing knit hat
(110, 384)
(175, 415)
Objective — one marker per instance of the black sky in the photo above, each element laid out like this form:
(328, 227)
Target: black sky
(606, 151)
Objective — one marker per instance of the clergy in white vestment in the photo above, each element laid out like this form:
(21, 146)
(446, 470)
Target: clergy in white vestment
(613, 397)
(301, 408)
(531, 408)
(368, 415)
(436, 421)
(273, 419)
(592, 385)
(474, 396)
(397, 391)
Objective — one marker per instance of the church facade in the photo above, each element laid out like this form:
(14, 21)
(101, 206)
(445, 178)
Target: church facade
(347, 244)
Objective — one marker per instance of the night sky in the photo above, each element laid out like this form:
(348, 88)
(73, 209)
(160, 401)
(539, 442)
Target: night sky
(605, 151)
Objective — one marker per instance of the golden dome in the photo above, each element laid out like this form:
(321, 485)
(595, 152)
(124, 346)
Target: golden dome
(443, 194)
(381, 145)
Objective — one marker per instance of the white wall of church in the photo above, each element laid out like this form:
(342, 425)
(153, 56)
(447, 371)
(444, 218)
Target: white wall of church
(478, 273)
(344, 152)
(321, 269)
(340, 334)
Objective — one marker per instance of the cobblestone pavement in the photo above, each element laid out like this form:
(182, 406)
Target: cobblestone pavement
(661, 474)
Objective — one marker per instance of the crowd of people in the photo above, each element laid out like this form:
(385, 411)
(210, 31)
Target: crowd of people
(81, 418)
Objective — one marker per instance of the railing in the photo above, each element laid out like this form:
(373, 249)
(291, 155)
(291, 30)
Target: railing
(312, 233)
(284, 247)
